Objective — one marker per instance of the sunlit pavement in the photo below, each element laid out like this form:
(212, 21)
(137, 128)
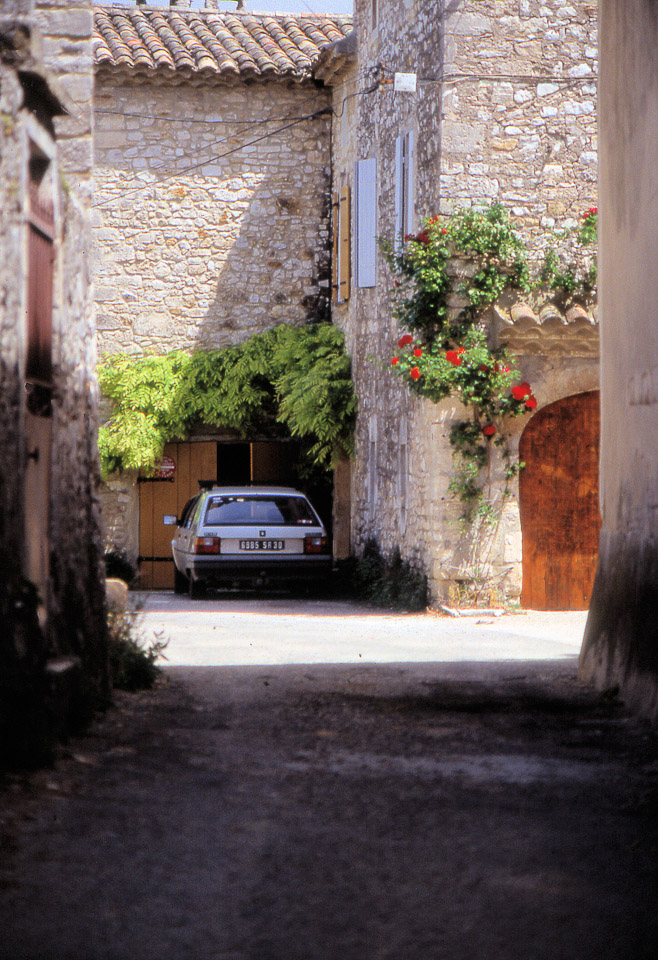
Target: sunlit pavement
(243, 630)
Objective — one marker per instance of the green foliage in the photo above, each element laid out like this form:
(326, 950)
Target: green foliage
(387, 581)
(133, 661)
(296, 378)
(446, 276)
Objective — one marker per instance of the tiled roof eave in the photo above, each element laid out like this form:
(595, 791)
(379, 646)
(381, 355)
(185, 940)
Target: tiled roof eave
(174, 46)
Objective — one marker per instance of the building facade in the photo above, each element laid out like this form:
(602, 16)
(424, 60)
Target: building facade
(211, 216)
(502, 107)
(53, 654)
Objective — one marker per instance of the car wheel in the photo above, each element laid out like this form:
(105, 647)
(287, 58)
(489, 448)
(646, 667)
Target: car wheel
(180, 581)
(196, 589)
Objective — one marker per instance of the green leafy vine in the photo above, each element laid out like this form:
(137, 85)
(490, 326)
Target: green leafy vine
(445, 278)
(293, 380)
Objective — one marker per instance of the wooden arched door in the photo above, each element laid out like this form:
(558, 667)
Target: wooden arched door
(559, 502)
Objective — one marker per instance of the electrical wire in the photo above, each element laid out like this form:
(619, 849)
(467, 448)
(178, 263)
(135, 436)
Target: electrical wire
(212, 159)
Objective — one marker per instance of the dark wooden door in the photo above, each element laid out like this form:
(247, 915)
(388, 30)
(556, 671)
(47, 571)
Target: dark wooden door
(559, 502)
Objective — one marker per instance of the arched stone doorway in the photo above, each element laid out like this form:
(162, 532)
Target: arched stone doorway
(559, 502)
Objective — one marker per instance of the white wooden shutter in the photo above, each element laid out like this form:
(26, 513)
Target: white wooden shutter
(365, 181)
(408, 226)
(400, 227)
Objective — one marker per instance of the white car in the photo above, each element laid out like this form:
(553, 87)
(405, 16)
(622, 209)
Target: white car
(235, 535)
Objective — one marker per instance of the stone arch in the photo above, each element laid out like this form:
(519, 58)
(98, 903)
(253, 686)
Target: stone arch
(559, 503)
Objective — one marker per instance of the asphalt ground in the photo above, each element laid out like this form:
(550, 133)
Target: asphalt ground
(475, 803)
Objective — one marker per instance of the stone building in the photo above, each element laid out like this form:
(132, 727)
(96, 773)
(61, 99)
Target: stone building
(53, 655)
(211, 215)
(501, 107)
(621, 639)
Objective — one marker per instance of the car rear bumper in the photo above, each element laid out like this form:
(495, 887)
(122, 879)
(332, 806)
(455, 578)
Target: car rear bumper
(217, 570)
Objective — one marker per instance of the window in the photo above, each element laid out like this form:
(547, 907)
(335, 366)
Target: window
(40, 268)
(341, 245)
(404, 182)
(238, 510)
(365, 221)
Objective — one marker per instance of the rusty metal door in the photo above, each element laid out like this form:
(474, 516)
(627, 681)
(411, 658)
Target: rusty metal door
(559, 502)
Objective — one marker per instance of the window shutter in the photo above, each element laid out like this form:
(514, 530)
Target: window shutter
(366, 222)
(344, 251)
(399, 194)
(408, 226)
(335, 248)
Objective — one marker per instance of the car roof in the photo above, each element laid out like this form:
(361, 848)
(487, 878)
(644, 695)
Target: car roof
(261, 491)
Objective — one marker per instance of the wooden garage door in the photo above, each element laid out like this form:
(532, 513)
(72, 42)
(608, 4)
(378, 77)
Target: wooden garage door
(559, 501)
(163, 497)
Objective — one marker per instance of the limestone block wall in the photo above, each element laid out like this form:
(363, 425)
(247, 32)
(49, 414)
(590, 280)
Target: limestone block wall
(210, 212)
(504, 110)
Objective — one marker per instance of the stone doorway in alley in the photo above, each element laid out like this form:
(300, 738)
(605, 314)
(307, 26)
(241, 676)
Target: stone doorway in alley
(559, 502)
(187, 466)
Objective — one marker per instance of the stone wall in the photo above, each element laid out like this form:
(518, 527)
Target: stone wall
(54, 654)
(504, 110)
(203, 255)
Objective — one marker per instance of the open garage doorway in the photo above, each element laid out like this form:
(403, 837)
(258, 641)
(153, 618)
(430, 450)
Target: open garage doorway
(559, 502)
(187, 466)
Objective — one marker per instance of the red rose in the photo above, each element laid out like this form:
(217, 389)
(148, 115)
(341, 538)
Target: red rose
(423, 237)
(395, 361)
(593, 210)
(418, 352)
(483, 368)
(460, 350)
(403, 341)
(414, 373)
(444, 229)
(489, 430)
(521, 391)
(531, 403)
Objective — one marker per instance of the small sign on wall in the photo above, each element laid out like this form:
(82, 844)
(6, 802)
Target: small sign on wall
(404, 83)
(166, 469)
(169, 520)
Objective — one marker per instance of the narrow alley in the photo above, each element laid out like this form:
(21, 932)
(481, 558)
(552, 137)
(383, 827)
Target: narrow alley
(483, 808)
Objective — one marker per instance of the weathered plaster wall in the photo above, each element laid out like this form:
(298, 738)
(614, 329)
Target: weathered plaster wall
(621, 640)
(527, 139)
(208, 254)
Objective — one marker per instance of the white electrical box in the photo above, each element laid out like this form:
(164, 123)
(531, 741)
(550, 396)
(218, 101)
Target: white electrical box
(404, 83)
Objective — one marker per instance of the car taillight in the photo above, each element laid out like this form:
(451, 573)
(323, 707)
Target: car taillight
(315, 545)
(206, 545)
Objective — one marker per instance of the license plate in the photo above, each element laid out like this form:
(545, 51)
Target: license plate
(262, 544)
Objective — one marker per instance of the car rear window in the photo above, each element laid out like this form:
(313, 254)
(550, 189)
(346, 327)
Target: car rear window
(244, 510)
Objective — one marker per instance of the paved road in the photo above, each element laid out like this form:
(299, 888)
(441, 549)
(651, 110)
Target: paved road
(469, 801)
(219, 632)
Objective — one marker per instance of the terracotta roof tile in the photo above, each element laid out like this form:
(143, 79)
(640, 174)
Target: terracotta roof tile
(182, 45)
